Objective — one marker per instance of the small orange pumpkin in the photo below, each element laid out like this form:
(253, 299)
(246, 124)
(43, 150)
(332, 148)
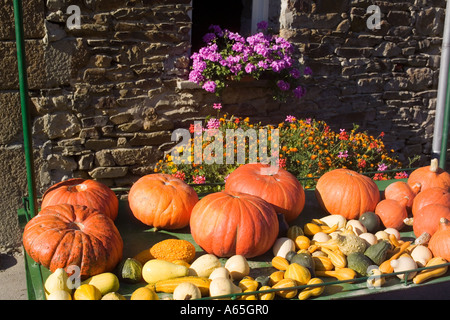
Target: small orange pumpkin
(440, 241)
(162, 201)
(430, 176)
(429, 196)
(391, 213)
(347, 192)
(427, 218)
(401, 191)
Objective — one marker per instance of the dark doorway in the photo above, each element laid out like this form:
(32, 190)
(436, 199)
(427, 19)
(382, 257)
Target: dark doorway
(225, 13)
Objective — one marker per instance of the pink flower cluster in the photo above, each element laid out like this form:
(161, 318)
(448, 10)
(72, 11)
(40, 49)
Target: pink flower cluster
(229, 55)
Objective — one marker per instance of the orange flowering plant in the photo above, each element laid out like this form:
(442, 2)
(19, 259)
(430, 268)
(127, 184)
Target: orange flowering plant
(305, 147)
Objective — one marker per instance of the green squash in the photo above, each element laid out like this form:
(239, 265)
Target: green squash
(304, 259)
(360, 263)
(378, 251)
(130, 271)
(371, 221)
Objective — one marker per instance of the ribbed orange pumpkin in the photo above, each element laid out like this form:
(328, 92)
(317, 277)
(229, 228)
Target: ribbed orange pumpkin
(427, 218)
(64, 235)
(347, 192)
(84, 192)
(401, 191)
(430, 176)
(275, 185)
(429, 196)
(162, 201)
(391, 213)
(440, 241)
(234, 223)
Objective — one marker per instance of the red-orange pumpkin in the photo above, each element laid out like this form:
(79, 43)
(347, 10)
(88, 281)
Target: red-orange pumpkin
(440, 241)
(234, 223)
(67, 235)
(84, 192)
(274, 184)
(427, 218)
(402, 192)
(162, 201)
(347, 192)
(391, 213)
(430, 196)
(430, 176)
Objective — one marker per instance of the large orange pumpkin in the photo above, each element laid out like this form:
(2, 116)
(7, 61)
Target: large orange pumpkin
(427, 218)
(162, 201)
(67, 235)
(84, 192)
(430, 196)
(347, 192)
(430, 176)
(392, 213)
(234, 223)
(275, 185)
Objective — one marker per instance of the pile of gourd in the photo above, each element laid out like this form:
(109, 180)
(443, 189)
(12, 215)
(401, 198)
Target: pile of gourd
(348, 249)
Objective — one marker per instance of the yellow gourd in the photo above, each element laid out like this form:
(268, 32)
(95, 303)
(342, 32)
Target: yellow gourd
(169, 285)
(57, 281)
(59, 295)
(144, 293)
(275, 277)
(340, 274)
(322, 263)
(286, 283)
(87, 292)
(204, 265)
(105, 282)
(298, 273)
(337, 258)
(248, 296)
(311, 229)
(280, 263)
(266, 295)
(156, 270)
(312, 291)
(248, 284)
(427, 274)
(302, 242)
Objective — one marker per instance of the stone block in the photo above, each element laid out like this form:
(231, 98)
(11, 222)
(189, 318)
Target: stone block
(11, 117)
(108, 172)
(33, 19)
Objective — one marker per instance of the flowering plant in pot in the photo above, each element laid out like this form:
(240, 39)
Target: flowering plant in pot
(229, 56)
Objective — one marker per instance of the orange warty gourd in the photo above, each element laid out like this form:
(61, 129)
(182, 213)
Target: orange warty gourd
(429, 196)
(430, 176)
(234, 223)
(277, 186)
(85, 192)
(401, 191)
(440, 241)
(347, 192)
(427, 218)
(162, 201)
(392, 213)
(64, 235)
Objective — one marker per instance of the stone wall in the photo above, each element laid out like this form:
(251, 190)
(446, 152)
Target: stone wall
(106, 97)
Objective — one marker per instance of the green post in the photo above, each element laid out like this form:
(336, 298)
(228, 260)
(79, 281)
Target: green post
(23, 83)
(444, 142)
